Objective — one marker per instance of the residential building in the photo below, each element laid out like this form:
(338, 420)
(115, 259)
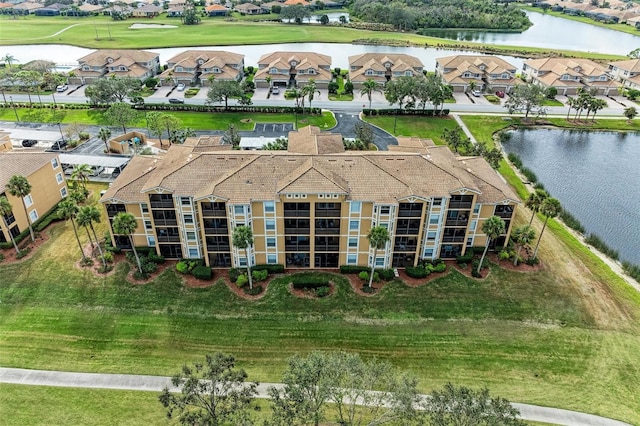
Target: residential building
(311, 206)
(138, 64)
(484, 72)
(216, 10)
(248, 9)
(293, 68)
(147, 11)
(5, 141)
(568, 75)
(382, 67)
(627, 72)
(196, 67)
(48, 186)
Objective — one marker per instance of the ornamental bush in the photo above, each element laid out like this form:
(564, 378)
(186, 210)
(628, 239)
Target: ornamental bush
(202, 272)
(242, 280)
(416, 272)
(309, 280)
(182, 267)
(259, 275)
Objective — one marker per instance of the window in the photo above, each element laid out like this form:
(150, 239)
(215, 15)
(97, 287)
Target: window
(352, 259)
(271, 242)
(353, 242)
(269, 207)
(242, 261)
(63, 191)
(272, 259)
(28, 201)
(476, 209)
(428, 252)
(144, 207)
(33, 215)
(188, 218)
(54, 163)
(185, 201)
(431, 236)
(151, 241)
(385, 209)
(353, 225)
(355, 207)
(437, 201)
(270, 225)
(193, 253)
(238, 209)
(191, 236)
(379, 261)
(469, 241)
(147, 224)
(473, 224)
(433, 219)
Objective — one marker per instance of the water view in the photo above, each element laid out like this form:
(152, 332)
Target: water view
(595, 176)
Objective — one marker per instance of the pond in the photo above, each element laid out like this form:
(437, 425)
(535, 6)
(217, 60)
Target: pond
(596, 177)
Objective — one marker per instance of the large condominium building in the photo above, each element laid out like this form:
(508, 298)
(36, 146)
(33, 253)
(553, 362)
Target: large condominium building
(312, 205)
(48, 186)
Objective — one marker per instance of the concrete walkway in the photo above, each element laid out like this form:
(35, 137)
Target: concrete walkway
(465, 129)
(157, 383)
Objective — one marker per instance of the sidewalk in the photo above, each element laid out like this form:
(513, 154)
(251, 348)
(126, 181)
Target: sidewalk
(158, 383)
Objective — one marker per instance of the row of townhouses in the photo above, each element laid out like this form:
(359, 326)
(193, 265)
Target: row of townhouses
(312, 205)
(461, 72)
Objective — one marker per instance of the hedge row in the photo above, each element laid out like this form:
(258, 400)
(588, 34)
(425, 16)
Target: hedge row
(272, 269)
(309, 280)
(212, 108)
(393, 111)
(38, 226)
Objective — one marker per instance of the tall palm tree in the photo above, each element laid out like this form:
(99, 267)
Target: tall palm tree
(368, 87)
(550, 208)
(126, 224)
(378, 237)
(9, 59)
(87, 216)
(310, 90)
(243, 239)
(5, 210)
(81, 174)
(492, 228)
(104, 134)
(19, 186)
(597, 105)
(68, 210)
(571, 102)
(522, 236)
(534, 201)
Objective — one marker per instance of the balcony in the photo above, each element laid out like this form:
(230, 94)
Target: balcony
(401, 247)
(214, 213)
(460, 204)
(162, 204)
(409, 213)
(328, 212)
(296, 231)
(327, 247)
(297, 213)
(169, 239)
(208, 230)
(165, 222)
(407, 231)
(452, 239)
(297, 246)
(456, 222)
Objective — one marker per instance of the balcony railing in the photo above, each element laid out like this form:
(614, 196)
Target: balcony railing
(169, 239)
(405, 247)
(297, 231)
(409, 213)
(165, 222)
(452, 239)
(218, 247)
(216, 231)
(328, 213)
(162, 204)
(327, 247)
(214, 213)
(408, 231)
(504, 215)
(327, 231)
(459, 204)
(297, 247)
(456, 222)
(297, 213)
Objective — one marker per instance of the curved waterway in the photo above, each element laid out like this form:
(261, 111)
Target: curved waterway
(596, 177)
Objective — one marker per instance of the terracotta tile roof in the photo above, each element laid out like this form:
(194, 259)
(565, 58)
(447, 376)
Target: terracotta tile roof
(310, 140)
(304, 60)
(377, 61)
(99, 57)
(127, 188)
(22, 163)
(631, 65)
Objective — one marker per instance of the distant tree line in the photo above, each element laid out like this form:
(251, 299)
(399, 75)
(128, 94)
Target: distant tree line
(412, 15)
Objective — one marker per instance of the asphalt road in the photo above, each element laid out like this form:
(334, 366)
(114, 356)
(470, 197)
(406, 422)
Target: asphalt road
(158, 383)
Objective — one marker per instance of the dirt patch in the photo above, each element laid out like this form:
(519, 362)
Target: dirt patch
(305, 293)
(467, 272)
(417, 282)
(193, 282)
(508, 264)
(161, 268)
(10, 253)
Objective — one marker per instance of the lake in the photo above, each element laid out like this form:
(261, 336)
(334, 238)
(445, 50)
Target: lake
(596, 177)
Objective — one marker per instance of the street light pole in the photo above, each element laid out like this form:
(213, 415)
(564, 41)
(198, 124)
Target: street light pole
(61, 135)
(14, 109)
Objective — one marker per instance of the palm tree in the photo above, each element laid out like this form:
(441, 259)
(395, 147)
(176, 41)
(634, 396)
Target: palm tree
(105, 134)
(310, 90)
(630, 113)
(68, 210)
(534, 201)
(19, 186)
(378, 237)
(9, 59)
(522, 236)
(81, 174)
(492, 228)
(5, 210)
(126, 224)
(243, 239)
(87, 216)
(550, 208)
(368, 87)
(597, 105)
(571, 102)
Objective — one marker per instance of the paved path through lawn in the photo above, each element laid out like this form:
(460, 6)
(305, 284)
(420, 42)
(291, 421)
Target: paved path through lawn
(157, 383)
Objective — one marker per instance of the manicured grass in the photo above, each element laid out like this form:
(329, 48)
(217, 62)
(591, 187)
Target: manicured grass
(424, 127)
(42, 29)
(552, 102)
(195, 120)
(617, 27)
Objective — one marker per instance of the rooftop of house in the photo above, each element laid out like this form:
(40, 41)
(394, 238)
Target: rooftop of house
(21, 163)
(102, 56)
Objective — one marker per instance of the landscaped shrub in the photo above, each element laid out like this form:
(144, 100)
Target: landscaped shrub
(515, 160)
(1, 257)
(632, 270)
(323, 291)
(182, 267)
(272, 269)
(386, 274)
(257, 289)
(144, 250)
(528, 173)
(242, 280)
(440, 267)
(103, 270)
(364, 276)
(476, 262)
(309, 280)
(367, 289)
(504, 255)
(571, 221)
(234, 273)
(352, 269)
(137, 275)
(416, 272)
(465, 258)
(155, 258)
(202, 272)
(475, 273)
(149, 267)
(260, 275)
(532, 261)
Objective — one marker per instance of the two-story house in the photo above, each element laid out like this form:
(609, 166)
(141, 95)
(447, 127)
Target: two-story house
(200, 67)
(626, 72)
(290, 69)
(382, 67)
(138, 64)
(482, 72)
(568, 75)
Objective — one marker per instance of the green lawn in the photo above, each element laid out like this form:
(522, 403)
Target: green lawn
(195, 120)
(118, 35)
(424, 127)
(552, 102)
(617, 27)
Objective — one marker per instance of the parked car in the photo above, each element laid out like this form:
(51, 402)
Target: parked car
(476, 93)
(176, 101)
(29, 142)
(181, 87)
(58, 145)
(500, 94)
(62, 88)
(275, 90)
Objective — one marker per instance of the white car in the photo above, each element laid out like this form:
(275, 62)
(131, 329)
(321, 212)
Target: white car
(61, 88)
(181, 87)
(275, 90)
(476, 93)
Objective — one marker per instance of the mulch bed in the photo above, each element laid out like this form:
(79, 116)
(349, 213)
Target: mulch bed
(508, 264)
(240, 292)
(417, 282)
(10, 253)
(161, 268)
(306, 293)
(467, 271)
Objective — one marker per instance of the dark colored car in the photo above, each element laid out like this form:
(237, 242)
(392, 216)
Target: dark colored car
(175, 101)
(500, 94)
(59, 145)
(29, 142)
